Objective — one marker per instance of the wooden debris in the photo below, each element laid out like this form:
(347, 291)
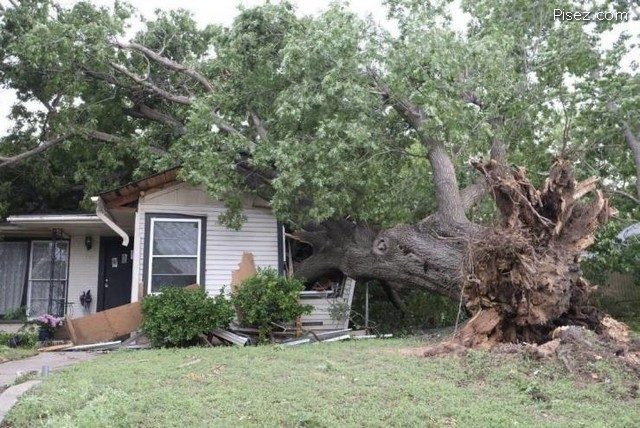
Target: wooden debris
(337, 338)
(334, 336)
(236, 339)
(205, 340)
(245, 330)
(246, 269)
(137, 340)
(96, 346)
(106, 325)
(371, 336)
(54, 348)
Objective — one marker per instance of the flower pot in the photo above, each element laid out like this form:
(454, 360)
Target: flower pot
(44, 334)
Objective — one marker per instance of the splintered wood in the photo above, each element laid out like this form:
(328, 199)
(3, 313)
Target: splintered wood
(246, 269)
(523, 278)
(106, 325)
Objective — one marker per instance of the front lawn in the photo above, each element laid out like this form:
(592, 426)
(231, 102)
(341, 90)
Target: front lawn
(9, 354)
(364, 383)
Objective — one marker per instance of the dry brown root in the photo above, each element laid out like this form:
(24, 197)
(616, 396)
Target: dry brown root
(575, 347)
(523, 279)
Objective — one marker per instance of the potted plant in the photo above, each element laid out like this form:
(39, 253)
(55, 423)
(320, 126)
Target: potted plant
(48, 324)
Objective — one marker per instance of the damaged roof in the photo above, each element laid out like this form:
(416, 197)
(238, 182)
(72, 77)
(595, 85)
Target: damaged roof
(130, 192)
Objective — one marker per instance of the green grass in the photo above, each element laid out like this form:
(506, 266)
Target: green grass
(364, 383)
(9, 354)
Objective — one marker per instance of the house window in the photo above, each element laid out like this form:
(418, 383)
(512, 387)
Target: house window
(14, 257)
(48, 272)
(174, 253)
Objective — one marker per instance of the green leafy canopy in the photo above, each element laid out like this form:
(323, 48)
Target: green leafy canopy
(319, 139)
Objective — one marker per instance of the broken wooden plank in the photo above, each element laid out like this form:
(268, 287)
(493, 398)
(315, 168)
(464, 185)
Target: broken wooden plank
(236, 339)
(144, 346)
(53, 348)
(106, 325)
(96, 346)
(245, 330)
(205, 340)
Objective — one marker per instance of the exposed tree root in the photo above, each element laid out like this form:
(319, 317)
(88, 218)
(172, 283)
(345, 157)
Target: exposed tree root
(520, 279)
(578, 349)
(523, 279)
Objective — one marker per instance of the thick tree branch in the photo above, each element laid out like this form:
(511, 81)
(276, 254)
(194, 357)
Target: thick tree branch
(105, 137)
(632, 142)
(261, 130)
(12, 160)
(225, 126)
(143, 111)
(6, 161)
(444, 174)
(111, 138)
(626, 195)
(168, 63)
(169, 96)
(634, 145)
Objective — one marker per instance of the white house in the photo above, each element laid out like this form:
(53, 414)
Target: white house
(146, 234)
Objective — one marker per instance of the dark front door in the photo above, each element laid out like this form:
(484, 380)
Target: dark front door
(115, 279)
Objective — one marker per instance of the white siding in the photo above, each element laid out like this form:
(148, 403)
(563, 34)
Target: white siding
(224, 247)
(83, 273)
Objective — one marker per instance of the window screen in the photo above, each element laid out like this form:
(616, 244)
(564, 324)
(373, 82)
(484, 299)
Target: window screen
(174, 253)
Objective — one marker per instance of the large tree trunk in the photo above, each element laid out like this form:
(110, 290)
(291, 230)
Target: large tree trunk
(520, 278)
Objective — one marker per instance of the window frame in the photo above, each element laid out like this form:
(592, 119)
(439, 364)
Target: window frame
(25, 293)
(151, 220)
(30, 279)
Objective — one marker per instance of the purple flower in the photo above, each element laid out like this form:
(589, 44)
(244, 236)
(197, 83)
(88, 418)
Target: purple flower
(48, 320)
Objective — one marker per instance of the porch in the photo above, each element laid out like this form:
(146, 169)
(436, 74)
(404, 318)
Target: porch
(56, 263)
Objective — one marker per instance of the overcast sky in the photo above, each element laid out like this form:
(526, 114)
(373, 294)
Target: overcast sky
(223, 12)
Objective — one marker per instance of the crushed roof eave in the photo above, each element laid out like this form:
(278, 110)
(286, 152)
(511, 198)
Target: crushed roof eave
(130, 192)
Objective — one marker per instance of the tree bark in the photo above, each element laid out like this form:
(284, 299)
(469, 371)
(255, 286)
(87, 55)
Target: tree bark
(520, 278)
(634, 145)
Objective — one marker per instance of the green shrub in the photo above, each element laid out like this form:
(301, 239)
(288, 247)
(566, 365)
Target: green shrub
(425, 311)
(24, 338)
(177, 316)
(268, 298)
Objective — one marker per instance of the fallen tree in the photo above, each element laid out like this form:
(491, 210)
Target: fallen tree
(345, 133)
(519, 279)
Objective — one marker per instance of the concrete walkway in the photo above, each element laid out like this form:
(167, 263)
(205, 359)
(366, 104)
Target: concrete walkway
(10, 396)
(10, 370)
